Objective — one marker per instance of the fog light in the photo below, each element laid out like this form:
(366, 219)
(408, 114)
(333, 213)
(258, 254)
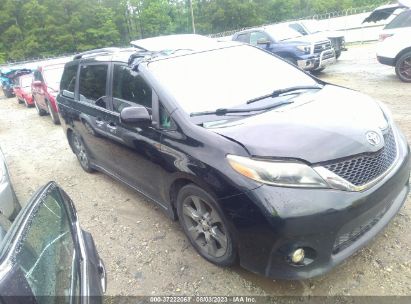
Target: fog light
(297, 256)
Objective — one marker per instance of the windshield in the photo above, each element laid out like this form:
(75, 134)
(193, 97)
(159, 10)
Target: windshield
(282, 32)
(52, 76)
(25, 81)
(225, 78)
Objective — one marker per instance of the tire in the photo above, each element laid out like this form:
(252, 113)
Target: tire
(81, 152)
(20, 101)
(8, 93)
(290, 60)
(403, 67)
(41, 112)
(337, 54)
(53, 114)
(318, 71)
(26, 103)
(205, 226)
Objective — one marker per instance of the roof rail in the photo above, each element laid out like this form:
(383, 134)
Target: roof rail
(109, 50)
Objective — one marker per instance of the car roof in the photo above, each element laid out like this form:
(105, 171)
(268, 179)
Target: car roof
(130, 55)
(174, 42)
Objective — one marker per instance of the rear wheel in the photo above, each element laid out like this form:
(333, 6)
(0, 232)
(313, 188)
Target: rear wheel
(403, 67)
(53, 114)
(81, 152)
(19, 100)
(41, 112)
(26, 103)
(205, 226)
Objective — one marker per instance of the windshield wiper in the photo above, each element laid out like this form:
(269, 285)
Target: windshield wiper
(279, 92)
(223, 111)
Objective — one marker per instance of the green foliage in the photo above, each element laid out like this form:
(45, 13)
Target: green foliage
(34, 28)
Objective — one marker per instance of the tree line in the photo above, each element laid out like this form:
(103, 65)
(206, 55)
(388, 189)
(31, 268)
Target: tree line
(34, 28)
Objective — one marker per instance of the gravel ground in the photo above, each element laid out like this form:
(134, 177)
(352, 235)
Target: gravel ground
(147, 254)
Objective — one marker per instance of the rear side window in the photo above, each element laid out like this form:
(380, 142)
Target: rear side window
(68, 81)
(129, 89)
(402, 20)
(243, 38)
(92, 84)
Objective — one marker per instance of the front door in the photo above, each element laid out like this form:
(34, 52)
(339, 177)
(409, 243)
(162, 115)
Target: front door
(135, 150)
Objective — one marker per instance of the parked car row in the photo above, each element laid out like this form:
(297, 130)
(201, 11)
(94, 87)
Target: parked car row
(261, 163)
(37, 88)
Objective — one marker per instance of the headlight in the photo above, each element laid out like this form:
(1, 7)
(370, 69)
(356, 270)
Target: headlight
(304, 48)
(279, 173)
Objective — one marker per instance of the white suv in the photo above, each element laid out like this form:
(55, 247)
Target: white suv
(394, 48)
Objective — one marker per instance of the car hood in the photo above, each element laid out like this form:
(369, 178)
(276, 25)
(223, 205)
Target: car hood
(308, 39)
(329, 124)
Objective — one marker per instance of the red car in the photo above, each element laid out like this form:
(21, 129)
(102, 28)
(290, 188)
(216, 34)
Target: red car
(44, 89)
(22, 89)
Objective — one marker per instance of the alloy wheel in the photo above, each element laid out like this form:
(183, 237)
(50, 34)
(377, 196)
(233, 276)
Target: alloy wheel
(405, 68)
(80, 151)
(204, 226)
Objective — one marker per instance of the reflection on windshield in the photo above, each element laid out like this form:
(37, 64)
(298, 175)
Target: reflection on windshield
(25, 82)
(282, 32)
(225, 78)
(52, 76)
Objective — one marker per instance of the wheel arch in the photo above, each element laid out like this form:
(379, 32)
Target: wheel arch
(179, 182)
(404, 51)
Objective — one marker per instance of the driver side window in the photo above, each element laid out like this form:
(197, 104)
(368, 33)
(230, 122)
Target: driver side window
(92, 84)
(48, 257)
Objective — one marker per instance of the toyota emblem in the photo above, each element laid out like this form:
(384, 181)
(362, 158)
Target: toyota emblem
(373, 138)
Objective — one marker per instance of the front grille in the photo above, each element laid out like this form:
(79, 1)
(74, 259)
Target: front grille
(322, 46)
(362, 169)
(346, 238)
(328, 55)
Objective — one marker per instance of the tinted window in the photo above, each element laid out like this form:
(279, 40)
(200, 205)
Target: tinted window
(402, 20)
(129, 89)
(37, 76)
(92, 84)
(68, 80)
(255, 36)
(298, 28)
(48, 257)
(243, 38)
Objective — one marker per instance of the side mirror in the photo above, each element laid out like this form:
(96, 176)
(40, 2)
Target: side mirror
(37, 83)
(135, 115)
(263, 41)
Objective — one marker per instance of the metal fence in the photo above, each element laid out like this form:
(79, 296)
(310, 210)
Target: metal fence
(348, 21)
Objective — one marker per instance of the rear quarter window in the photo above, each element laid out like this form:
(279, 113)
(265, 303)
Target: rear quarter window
(68, 80)
(402, 20)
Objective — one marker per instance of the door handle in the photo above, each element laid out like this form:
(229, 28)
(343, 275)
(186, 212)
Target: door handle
(99, 122)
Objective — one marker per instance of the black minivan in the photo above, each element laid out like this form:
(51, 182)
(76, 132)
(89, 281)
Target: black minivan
(260, 162)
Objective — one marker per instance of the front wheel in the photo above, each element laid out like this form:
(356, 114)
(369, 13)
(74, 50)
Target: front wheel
(81, 152)
(403, 67)
(205, 226)
(53, 114)
(41, 112)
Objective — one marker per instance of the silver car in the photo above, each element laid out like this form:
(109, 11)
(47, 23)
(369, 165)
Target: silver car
(9, 205)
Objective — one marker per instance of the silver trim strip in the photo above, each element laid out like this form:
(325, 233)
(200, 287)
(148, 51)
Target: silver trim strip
(339, 183)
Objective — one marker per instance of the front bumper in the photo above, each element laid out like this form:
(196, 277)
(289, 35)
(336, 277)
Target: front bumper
(386, 60)
(330, 225)
(319, 61)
